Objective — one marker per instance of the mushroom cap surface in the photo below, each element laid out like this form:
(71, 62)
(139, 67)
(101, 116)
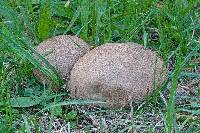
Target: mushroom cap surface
(62, 52)
(116, 73)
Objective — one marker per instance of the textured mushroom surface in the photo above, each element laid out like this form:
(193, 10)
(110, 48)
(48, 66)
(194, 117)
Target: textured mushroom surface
(62, 52)
(116, 73)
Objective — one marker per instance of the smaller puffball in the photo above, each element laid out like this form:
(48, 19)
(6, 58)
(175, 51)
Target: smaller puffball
(62, 52)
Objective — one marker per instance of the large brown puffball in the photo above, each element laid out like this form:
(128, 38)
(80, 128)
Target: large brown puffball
(116, 73)
(62, 52)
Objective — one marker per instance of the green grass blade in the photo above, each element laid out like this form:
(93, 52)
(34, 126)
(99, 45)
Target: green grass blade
(44, 21)
(190, 75)
(171, 111)
(72, 102)
(84, 15)
(74, 18)
(28, 55)
(28, 128)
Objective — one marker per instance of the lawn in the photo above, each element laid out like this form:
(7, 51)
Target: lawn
(171, 28)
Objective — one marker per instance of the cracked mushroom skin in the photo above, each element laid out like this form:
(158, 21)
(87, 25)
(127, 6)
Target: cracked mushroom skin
(62, 52)
(116, 73)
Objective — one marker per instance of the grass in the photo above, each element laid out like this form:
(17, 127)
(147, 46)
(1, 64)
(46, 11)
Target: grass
(172, 28)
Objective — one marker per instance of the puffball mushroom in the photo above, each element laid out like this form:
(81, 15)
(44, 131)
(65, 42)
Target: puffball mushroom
(62, 52)
(116, 73)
